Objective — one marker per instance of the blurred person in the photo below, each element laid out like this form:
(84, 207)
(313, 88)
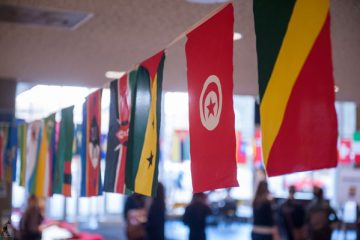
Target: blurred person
(351, 212)
(135, 217)
(292, 215)
(195, 216)
(319, 217)
(31, 222)
(155, 224)
(264, 227)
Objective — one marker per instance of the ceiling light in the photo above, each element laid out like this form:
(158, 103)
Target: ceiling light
(237, 36)
(114, 74)
(336, 89)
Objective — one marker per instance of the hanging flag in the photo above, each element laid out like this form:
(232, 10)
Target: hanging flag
(22, 132)
(296, 85)
(33, 135)
(90, 156)
(37, 180)
(257, 153)
(356, 147)
(50, 124)
(11, 153)
(209, 54)
(40, 183)
(119, 123)
(176, 147)
(4, 133)
(240, 148)
(78, 137)
(62, 165)
(143, 143)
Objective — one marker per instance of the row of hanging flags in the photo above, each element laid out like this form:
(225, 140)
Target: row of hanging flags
(298, 119)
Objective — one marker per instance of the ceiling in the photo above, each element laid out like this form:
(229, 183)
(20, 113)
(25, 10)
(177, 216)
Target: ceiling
(123, 33)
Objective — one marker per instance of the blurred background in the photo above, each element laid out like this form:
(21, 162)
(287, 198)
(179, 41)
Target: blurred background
(54, 53)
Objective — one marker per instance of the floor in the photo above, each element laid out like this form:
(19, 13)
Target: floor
(175, 230)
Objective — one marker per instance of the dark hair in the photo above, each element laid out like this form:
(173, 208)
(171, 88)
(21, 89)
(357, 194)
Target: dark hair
(318, 193)
(32, 200)
(198, 197)
(261, 194)
(292, 189)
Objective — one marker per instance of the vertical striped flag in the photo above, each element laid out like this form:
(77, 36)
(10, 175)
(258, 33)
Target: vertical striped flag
(356, 146)
(143, 143)
(296, 85)
(32, 142)
(62, 165)
(11, 153)
(120, 105)
(22, 130)
(40, 184)
(50, 124)
(90, 156)
(4, 132)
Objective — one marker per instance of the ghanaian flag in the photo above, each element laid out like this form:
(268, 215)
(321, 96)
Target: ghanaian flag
(296, 85)
(143, 142)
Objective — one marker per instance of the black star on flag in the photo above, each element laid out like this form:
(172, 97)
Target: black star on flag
(150, 159)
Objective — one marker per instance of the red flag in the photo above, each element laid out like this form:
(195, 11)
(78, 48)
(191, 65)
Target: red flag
(209, 54)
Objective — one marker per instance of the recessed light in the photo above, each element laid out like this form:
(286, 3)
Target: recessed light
(237, 36)
(114, 74)
(336, 89)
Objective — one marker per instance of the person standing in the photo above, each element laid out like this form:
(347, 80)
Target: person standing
(135, 217)
(264, 227)
(195, 216)
(292, 215)
(155, 225)
(30, 223)
(319, 217)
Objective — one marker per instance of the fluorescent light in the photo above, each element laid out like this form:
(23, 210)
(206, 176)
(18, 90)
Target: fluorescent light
(336, 89)
(114, 74)
(237, 36)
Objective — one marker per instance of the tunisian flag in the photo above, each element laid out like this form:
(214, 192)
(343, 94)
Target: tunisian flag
(209, 54)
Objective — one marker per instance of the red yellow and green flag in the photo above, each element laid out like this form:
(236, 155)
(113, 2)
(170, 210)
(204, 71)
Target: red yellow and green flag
(296, 85)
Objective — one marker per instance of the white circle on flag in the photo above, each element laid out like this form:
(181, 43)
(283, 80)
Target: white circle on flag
(210, 103)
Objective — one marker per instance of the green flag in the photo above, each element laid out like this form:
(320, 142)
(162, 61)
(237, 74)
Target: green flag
(22, 131)
(62, 171)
